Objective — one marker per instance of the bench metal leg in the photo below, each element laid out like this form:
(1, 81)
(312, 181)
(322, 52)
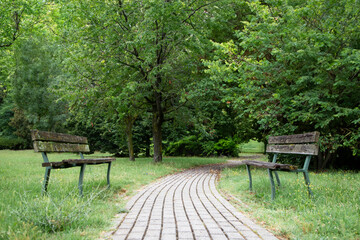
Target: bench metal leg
(250, 179)
(81, 177)
(46, 180)
(307, 182)
(277, 178)
(108, 174)
(272, 184)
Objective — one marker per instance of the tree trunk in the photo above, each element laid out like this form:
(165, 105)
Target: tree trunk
(157, 137)
(158, 118)
(323, 159)
(129, 121)
(147, 148)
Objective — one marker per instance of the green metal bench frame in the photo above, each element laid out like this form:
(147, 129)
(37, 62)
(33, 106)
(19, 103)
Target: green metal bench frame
(299, 144)
(46, 142)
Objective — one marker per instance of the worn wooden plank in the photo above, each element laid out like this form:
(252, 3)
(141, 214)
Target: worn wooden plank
(40, 146)
(77, 162)
(304, 149)
(311, 137)
(54, 164)
(269, 165)
(95, 160)
(37, 135)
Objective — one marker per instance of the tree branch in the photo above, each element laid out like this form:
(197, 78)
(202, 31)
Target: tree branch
(15, 35)
(197, 9)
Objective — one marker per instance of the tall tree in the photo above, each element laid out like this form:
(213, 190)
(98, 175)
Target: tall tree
(153, 46)
(36, 72)
(298, 67)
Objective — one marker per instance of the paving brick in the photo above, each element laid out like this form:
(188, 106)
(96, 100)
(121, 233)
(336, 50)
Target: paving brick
(189, 203)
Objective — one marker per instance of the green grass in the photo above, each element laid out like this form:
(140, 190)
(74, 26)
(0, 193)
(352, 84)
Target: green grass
(25, 214)
(251, 147)
(334, 212)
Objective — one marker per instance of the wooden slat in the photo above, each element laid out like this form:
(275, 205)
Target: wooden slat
(269, 165)
(37, 135)
(53, 164)
(304, 149)
(40, 146)
(78, 162)
(97, 160)
(311, 137)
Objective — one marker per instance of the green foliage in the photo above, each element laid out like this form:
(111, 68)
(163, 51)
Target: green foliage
(14, 128)
(297, 68)
(6, 114)
(187, 146)
(36, 71)
(226, 147)
(102, 137)
(17, 17)
(144, 60)
(12, 143)
(193, 146)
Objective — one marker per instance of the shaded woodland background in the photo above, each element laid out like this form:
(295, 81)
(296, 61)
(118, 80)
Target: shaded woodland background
(142, 78)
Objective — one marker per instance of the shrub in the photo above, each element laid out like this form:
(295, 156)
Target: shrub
(187, 146)
(193, 146)
(226, 147)
(12, 143)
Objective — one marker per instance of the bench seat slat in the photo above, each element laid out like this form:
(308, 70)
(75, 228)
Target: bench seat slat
(269, 165)
(78, 162)
(95, 160)
(302, 149)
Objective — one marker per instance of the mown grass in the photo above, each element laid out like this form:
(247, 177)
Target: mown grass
(251, 147)
(62, 214)
(333, 213)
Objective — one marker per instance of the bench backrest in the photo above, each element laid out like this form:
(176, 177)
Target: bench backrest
(304, 144)
(58, 142)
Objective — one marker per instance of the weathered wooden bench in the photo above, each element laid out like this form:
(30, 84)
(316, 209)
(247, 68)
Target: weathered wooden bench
(299, 144)
(46, 142)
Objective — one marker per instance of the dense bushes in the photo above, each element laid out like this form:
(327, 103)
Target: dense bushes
(193, 146)
(12, 143)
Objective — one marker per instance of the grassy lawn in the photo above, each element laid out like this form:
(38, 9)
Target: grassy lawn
(334, 213)
(251, 147)
(25, 214)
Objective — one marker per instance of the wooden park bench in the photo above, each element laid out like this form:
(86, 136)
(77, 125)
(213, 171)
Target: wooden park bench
(46, 142)
(299, 144)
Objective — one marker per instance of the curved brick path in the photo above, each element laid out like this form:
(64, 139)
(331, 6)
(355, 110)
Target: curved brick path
(185, 205)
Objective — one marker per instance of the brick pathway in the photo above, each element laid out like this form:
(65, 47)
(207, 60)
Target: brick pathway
(186, 205)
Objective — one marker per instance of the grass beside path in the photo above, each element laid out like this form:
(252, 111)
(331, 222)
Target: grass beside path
(334, 213)
(25, 214)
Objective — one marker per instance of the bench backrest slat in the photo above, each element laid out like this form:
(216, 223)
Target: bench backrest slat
(37, 135)
(303, 149)
(311, 137)
(304, 144)
(40, 146)
(58, 142)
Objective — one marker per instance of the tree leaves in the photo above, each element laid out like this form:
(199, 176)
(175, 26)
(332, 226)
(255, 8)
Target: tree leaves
(296, 68)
